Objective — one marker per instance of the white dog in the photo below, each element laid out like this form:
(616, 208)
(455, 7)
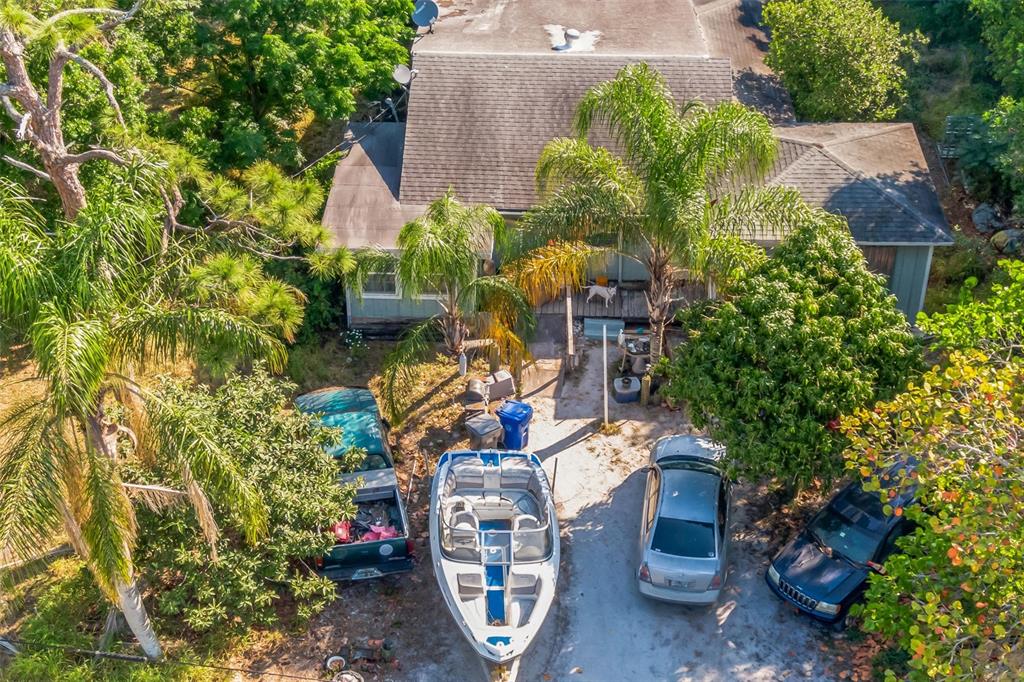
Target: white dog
(607, 293)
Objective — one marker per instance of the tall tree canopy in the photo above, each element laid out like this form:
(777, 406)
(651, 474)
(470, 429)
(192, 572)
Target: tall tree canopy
(839, 59)
(261, 65)
(95, 299)
(665, 201)
(954, 595)
(806, 337)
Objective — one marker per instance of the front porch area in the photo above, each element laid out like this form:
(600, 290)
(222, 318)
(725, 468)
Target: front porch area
(628, 303)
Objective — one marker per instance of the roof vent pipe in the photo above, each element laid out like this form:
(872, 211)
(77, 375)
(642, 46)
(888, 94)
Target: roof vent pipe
(571, 36)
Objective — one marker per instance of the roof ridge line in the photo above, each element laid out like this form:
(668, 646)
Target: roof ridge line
(891, 195)
(595, 54)
(786, 171)
(890, 126)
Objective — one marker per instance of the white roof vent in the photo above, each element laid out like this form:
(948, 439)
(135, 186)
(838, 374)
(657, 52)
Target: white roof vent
(570, 39)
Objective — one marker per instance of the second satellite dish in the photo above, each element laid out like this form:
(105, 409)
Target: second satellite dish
(426, 13)
(402, 74)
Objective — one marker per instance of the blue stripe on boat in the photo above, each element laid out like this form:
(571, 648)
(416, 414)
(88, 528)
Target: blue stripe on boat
(494, 574)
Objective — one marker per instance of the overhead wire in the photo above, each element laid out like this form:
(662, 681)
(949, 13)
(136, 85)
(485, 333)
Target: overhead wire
(384, 109)
(132, 658)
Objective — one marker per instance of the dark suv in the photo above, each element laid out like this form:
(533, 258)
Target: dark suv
(825, 568)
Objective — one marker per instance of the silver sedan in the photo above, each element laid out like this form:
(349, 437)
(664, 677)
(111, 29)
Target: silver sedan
(684, 539)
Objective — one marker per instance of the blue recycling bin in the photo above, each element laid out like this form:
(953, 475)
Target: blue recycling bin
(515, 420)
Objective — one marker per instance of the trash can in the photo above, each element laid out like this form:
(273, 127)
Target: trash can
(484, 432)
(515, 420)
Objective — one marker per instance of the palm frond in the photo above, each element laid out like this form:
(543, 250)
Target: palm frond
(725, 140)
(504, 314)
(163, 332)
(108, 529)
(546, 271)
(367, 261)
(440, 249)
(73, 355)
(766, 213)
(156, 498)
(638, 109)
(576, 213)
(177, 434)
(398, 369)
(31, 478)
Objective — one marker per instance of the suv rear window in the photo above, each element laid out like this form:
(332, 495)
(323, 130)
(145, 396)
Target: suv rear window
(684, 538)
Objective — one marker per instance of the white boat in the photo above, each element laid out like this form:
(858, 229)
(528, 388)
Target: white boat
(494, 543)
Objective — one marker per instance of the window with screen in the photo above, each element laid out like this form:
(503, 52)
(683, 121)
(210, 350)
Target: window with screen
(380, 284)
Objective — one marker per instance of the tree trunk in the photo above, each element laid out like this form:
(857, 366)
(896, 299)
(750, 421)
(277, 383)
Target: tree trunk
(659, 302)
(68, 185)
(128, 598)
(130, 602)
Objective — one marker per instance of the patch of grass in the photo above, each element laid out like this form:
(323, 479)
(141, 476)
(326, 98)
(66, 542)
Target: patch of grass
(327, 362)
(69, 611)
(953, 75)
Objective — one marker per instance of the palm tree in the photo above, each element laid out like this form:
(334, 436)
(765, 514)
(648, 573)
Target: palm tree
(93, 302)
(440, 253)
(665, 200)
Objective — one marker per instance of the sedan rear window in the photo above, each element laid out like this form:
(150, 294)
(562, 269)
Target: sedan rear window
(684, 538)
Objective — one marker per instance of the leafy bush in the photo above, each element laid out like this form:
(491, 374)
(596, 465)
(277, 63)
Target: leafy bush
(1006, 126)
(1002, 24)
(994, 325)
(969, 257)
(808, 336)
(840, 59)
(952, 599)
(283, 453)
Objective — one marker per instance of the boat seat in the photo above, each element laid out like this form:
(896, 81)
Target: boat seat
(526, 522)
(516, 477)
(524, 584)
(471, 586)
(530, 542)
(465, 535)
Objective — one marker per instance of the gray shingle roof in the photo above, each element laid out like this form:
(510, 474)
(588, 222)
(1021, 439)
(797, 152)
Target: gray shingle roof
(873, 174)
(478, 122)
(362, 207)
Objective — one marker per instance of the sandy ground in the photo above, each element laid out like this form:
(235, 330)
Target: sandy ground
(603, 629)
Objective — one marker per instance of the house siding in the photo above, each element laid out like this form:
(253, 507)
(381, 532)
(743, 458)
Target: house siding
(910, 278)
(387, 316)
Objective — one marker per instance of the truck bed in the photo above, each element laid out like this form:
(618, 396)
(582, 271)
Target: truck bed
(366, 555)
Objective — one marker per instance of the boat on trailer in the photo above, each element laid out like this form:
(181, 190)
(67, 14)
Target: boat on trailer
(494, 543)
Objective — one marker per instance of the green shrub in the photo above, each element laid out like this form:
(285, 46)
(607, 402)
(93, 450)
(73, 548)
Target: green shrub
(282, 452)
(840, 59)
(968, 257)
(71, 612)
(806, 337)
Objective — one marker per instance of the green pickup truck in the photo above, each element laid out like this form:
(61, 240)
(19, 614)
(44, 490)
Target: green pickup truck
(376, 542)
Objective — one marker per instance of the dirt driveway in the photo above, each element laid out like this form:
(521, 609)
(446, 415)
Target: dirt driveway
(603, 629)
(600, 628)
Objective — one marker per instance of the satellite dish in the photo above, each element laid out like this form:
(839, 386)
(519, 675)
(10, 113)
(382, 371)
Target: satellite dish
(402, 74)
(426, 13)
